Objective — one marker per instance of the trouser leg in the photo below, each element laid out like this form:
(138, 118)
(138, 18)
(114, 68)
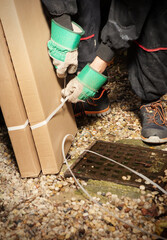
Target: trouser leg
(148, 73)
(89, 19)
(92, 16)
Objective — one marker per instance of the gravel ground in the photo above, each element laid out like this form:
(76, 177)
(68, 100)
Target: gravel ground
(48, 208)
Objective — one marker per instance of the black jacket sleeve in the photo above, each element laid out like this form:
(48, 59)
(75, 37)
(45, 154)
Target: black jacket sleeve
(125, 22)
(60, 7)
(61, 11)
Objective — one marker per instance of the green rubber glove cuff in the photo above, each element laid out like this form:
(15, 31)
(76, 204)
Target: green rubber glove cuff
(91, 80)
(86, 93)
(65, 38)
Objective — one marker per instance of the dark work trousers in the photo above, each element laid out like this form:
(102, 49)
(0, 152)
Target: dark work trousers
(148, 73)
(91, 16)
(148, 55)
(147, 70)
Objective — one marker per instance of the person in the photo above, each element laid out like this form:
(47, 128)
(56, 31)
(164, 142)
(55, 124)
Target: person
(140, 27)
(90, 15)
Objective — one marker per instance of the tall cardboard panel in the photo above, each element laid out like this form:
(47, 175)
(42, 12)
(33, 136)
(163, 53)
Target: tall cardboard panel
(15, 115)
(27, 34)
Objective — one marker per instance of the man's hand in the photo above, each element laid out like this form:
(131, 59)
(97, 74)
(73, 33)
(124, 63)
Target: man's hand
(99, 65)
(85, 85)
(73, 91)
(70, 63)
(63, 48)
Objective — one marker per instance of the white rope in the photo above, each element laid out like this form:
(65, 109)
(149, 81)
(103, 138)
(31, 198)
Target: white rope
(18, 127)
(130, 169)
(96, 202)
(40, 124)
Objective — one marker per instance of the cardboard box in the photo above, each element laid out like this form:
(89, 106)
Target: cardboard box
(27, 33)
(15, 115)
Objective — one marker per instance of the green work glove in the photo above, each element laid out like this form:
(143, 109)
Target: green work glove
(63, 47)
(85, 85)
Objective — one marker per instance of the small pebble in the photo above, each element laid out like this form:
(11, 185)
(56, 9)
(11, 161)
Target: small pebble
(142, 187)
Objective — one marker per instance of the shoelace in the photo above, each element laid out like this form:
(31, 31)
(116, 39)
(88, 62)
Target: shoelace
(92, 101)
(158, 113)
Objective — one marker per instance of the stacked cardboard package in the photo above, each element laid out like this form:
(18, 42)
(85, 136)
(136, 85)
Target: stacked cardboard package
(15, 115)
(29, 90)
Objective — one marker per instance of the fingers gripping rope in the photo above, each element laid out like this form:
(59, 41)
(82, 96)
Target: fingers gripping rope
(96, 202)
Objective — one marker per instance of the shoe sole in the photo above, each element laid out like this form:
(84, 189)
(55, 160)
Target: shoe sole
(98, 113)
(154, 139)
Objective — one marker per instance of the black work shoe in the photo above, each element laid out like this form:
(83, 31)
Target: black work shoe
(97, 106)
(154, 128)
